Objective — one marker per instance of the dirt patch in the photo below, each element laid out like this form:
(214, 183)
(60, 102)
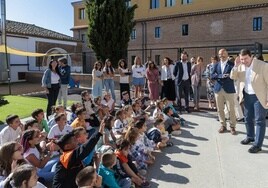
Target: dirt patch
(20, 88)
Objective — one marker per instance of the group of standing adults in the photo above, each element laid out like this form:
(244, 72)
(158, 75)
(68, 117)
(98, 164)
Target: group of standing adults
(55, 80)
(250, 73)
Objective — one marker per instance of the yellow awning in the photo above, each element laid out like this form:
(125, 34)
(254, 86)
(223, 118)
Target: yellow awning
(24, 53)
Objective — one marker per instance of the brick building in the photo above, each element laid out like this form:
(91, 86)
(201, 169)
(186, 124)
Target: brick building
(201, 27)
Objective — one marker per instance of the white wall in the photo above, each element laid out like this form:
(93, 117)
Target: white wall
(21, 63)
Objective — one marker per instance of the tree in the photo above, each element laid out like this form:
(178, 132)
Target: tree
(109, 29)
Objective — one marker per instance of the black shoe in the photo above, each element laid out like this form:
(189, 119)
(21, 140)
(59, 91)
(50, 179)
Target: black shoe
(254, 149)
(187, 110)
(240, 120)
(246, 141)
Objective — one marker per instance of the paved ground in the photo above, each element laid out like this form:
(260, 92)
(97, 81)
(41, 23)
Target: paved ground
(203, 158)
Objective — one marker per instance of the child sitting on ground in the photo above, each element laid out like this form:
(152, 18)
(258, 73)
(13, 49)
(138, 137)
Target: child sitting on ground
(33, 155)
(12, 131)
(88, 178)
(88, 104)
(125, 166)
(108, 161)
(126, 99)
(80, 121)
(156, 135)
(73, 110)
(71, 160)
(143, 144)
(120, 124)
(128, 110)
(39, 116)
(81, 137)
(60, 128)
(55, 111)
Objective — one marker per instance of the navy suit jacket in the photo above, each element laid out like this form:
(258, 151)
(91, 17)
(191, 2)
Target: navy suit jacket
(178, 71)
(226, 83)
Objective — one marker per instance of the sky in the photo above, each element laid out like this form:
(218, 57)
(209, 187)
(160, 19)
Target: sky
(55, 15)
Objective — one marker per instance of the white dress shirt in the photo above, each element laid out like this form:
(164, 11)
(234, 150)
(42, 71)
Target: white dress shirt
(223, 65)
(185, 71)
(248, 86)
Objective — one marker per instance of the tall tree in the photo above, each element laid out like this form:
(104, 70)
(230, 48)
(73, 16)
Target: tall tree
(109, 29)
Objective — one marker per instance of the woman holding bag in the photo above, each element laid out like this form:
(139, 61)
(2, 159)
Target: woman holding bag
(196, 75)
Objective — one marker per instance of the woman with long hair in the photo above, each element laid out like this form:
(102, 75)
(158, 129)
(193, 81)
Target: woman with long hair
(196, 80)
(210, 83)
(108, 72)
(168, 80)
(51, 83)
(138, 74)
(152, 75)
(124, 77)
(97, 76)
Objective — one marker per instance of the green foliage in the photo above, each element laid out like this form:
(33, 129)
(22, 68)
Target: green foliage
(110, 26)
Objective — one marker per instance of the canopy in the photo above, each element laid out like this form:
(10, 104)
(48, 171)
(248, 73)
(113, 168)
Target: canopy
(24, 53)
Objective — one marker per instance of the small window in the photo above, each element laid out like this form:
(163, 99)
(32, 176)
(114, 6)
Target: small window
(133, 34)
(157, 59)
(170, 3)
(83, 38)
(132, 59)
(157, 32)
(154, 4)
(128, 3)
(81, 13)
(185, 2)
(184, 29)
(257, 24)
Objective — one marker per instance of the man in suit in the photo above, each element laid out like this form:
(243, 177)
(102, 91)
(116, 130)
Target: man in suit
(224, 90)
(252, 73)
(182, 72)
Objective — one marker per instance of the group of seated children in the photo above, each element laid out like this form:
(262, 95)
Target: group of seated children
(102, 146)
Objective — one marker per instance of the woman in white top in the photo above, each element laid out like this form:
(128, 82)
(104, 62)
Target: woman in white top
(168, 80)
(124, 77)
(97, 76)
(51, 83)
(138, 74)
(108, 72)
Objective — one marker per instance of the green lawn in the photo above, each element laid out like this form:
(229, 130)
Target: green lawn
(22, 106)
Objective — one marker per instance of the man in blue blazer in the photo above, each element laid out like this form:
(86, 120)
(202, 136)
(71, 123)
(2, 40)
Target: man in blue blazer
(182, 72)
(224, 91)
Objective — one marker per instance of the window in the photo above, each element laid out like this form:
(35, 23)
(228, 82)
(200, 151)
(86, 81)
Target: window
(132, 59)
(81, 13)
(157, 59)
(185, 2)
(83, 37)
(184, 29)
(128, 3)
(133, 34)
(157, 32)
(170, 3)
(154, 4)
(257, 24)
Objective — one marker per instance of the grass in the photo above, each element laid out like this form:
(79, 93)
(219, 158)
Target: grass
(22, 106)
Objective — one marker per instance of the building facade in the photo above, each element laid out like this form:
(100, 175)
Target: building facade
(200, 27)
(31, 38)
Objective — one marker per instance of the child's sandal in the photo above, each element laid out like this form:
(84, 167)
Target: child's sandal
(169, 144)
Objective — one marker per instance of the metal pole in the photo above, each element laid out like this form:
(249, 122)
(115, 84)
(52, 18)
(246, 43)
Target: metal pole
(4, 41)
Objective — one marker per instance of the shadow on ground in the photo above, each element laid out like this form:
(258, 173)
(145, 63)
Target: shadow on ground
(156, 173)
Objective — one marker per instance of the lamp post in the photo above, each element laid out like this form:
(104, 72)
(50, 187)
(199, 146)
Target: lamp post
(5, 63)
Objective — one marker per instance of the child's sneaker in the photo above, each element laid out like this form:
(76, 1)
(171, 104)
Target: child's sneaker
(176, 133)
(145, 184)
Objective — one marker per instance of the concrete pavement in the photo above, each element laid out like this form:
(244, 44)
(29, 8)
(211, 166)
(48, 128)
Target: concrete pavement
(203, 158)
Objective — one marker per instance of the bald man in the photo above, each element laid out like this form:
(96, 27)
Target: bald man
(224, 91)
